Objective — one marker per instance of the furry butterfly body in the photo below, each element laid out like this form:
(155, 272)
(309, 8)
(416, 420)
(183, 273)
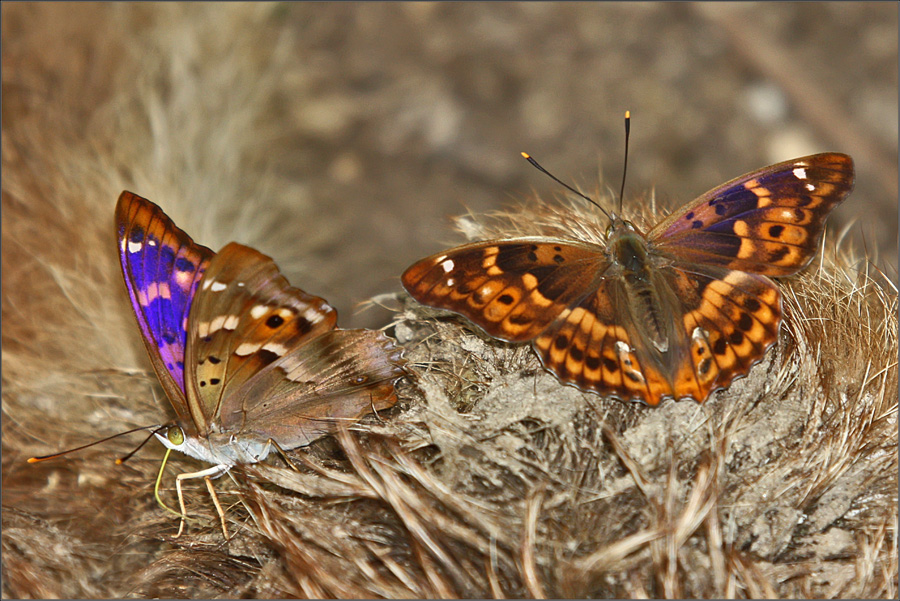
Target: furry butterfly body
(247, 361)
(676, 312)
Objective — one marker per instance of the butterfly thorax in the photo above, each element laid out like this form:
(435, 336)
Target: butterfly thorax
(634, 264)
(219, 448)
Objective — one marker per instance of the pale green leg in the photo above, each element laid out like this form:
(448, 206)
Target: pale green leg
(156, 488)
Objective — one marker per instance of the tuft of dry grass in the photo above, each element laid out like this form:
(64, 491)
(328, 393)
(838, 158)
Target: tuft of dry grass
(776, 487)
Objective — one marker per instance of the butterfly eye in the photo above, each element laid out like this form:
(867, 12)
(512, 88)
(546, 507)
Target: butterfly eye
(175, 435)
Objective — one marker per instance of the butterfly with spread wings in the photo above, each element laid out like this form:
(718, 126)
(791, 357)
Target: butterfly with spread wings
(677, 312)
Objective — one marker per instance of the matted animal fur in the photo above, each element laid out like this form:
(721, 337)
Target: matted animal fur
(489, 479)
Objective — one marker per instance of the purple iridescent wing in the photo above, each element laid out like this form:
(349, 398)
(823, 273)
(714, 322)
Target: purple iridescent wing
(767, 222)
(162, 267)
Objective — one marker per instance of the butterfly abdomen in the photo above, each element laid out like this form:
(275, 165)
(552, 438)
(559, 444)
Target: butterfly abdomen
(629, 252)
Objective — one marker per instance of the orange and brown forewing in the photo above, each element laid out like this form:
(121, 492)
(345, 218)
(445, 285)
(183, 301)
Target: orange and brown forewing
(511, 289)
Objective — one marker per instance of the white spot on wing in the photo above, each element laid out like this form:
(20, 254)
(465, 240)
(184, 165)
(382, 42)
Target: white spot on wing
(216, 324)
(152, 291)
(258, 311)
(447, 265)
(278, 349)
(231, 323)
(218, 286)
(312, 316)
(184, 279)
(800, 173)
(451, 282)
(248, 348)
(134, 247)
(810, 187)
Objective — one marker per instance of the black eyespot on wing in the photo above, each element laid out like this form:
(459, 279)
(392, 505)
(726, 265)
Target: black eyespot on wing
(275, 321)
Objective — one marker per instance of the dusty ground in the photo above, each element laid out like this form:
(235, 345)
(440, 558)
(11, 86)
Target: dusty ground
(340, 138)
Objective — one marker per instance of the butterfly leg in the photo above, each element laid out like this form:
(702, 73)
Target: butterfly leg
(206, 474)
(156, 489)
(215, 499)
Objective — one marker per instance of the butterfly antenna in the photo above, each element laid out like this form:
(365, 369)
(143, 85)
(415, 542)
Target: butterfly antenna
(122, 460)
(90, 444)
(537, 166)
(625, 166)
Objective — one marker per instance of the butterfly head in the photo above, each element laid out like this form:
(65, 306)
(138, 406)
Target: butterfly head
(172, 437)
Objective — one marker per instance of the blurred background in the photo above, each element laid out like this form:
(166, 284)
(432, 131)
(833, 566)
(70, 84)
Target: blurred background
(382, 120)
(412, 113)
